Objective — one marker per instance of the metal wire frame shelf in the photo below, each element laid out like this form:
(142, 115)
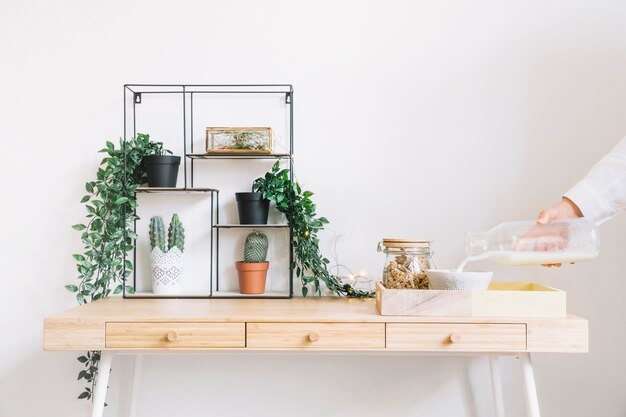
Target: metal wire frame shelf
(133, 96)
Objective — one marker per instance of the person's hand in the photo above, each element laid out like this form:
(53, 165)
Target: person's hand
(566, 209)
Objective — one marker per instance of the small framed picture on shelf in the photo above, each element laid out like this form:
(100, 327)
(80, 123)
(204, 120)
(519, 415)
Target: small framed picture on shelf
(238, 140)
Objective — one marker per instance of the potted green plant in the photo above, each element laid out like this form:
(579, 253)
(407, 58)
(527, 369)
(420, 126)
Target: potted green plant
(166, 255)
(162, 169)
(252, 271)
(252, 208)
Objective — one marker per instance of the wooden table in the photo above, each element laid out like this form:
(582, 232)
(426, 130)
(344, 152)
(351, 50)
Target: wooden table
(117, 325)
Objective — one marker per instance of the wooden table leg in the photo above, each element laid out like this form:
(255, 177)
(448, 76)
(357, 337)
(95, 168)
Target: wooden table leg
(496, 386)
(134, 388)
(532, 403)
(100, 390)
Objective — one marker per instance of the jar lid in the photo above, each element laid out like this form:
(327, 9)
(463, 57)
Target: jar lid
(405, 243)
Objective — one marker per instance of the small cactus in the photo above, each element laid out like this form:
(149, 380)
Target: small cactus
(157, 233)
(176, 234)
(255, 247)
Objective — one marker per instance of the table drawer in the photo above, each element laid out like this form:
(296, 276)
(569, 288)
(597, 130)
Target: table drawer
(175, 335)
(316, 335)
(452, 336)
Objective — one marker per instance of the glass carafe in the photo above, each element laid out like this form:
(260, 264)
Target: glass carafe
(406, 263)
(528, 243)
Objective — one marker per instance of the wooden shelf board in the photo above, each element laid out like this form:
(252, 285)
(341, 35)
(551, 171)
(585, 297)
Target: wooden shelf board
(171, 190)
(216, 294)
(238, 156)
(237, 294)
(251, 226)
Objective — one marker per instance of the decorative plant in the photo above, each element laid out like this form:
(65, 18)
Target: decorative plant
(252, 271)
(106, 236)
(248, 140)
(310, 266)
(157, 233)
(242, 139)
(255, 247)
(176, 234)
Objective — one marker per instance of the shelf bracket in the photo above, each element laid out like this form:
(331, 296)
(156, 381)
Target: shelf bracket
(288, 98)
(137, 98)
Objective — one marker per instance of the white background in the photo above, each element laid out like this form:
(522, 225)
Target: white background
(413, 119)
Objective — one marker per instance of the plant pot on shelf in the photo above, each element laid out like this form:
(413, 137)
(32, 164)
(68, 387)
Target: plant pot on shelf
(167, 271)
(252, 207)
(252, 276)
(162, 170)
(252, 271)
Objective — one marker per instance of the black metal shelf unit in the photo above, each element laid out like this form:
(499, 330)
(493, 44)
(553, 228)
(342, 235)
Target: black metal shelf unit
(133, 96)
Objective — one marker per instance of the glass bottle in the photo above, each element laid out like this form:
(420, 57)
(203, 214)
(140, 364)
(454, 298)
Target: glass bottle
(528, 243)
(406, 263)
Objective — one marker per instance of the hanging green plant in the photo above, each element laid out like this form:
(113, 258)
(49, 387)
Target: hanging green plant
(309, 265)
(108, 235)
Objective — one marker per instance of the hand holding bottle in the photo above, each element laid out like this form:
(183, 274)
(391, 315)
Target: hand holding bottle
(565, 209)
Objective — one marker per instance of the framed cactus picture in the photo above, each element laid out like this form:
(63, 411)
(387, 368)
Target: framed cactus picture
(239, 140)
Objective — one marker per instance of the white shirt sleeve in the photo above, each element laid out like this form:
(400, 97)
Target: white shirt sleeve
(602, 193)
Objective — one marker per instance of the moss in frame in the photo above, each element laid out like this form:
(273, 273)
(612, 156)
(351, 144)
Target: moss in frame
(238, 140)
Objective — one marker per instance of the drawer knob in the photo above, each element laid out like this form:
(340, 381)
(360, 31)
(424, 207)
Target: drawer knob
(171, 336)
(314, 337)
(455, 338)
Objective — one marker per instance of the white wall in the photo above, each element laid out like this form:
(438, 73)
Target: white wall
(413, 118)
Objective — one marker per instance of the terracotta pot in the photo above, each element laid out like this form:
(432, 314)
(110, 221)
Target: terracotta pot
(252, 277)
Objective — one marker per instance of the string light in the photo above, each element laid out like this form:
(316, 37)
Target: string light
(361, 280)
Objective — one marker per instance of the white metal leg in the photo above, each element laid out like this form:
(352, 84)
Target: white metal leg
(496, 386)
(532, 403)
(100, 390)
(134, 388)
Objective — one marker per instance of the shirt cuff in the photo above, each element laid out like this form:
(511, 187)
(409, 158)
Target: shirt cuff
(591, 204)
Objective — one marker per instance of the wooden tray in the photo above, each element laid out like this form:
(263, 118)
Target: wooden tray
(502, 299)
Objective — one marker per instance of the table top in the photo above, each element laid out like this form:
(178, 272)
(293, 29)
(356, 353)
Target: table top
(297, 309)
(84, 327)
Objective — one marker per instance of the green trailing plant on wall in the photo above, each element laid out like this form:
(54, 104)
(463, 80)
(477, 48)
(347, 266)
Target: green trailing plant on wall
(107, 235)
(309, 265)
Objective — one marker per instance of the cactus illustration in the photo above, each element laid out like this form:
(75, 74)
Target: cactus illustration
(176, 234)
(157, 233)
(255, 247)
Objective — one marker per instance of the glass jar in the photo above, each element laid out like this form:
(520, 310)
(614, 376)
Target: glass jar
(406, 263)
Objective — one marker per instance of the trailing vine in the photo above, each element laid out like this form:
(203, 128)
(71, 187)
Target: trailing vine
(309, 265)
(108, 234)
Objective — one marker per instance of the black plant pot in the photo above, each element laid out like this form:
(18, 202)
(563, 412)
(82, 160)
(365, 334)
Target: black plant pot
(162, 170)
(253, 208)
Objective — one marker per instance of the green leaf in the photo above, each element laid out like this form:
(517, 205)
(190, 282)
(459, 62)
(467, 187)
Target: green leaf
(305, 291)
(83, 394)
(79, 227)
(84, 199)
(71, 288)
(121, 200)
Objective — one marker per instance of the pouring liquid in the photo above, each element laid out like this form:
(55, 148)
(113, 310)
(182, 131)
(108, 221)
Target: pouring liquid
(515, 258)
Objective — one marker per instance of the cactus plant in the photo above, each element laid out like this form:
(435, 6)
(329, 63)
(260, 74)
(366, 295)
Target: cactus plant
(157, 233)
(176, 234)
(255, 247)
